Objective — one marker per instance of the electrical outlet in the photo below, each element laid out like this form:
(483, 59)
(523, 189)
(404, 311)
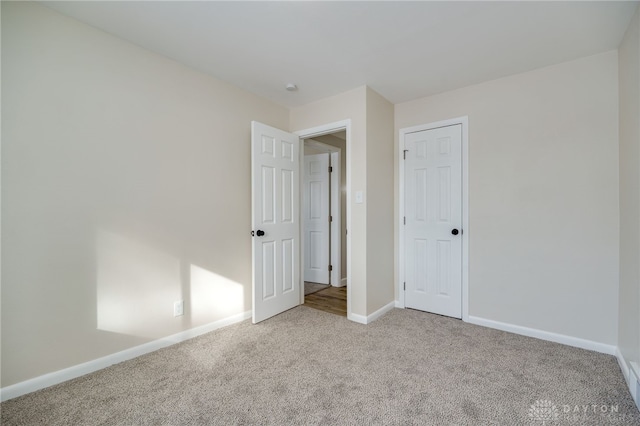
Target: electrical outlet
(178, 308)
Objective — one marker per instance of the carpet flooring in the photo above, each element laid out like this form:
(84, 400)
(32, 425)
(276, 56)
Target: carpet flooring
(309, 367)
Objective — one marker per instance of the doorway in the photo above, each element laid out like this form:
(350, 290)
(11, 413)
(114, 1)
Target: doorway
(324, 218)
(434, 231)
(277, 240)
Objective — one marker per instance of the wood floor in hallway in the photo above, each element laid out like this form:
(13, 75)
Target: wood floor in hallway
(332, 300)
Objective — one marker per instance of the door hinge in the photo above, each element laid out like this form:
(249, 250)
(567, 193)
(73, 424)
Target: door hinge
(405, 220)
(330, 218)
(405, 286)
(330, 169)
(330, 268)
(404, 154)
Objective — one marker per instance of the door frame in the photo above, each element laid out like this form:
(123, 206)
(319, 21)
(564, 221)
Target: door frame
(464, 121)
(335, 209)
(338, 126)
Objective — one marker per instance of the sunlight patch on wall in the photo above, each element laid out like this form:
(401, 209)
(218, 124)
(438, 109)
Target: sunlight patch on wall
(214, 294)
(136, 287)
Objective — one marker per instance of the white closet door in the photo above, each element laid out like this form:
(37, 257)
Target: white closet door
(433, 209)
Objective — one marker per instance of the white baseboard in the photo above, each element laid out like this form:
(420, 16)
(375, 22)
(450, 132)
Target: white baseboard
(60, 376)
(342, 283)
(380, 312)
(361, 319)
(630, 376)
(546, 335)
(634, 382)
(398, 304)
(374, 316)
(623, 366)
(631, 373)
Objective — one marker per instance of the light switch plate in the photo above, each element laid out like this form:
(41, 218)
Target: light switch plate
(178, 308)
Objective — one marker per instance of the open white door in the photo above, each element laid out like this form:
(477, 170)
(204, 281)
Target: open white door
(275, 193)
(316, 216)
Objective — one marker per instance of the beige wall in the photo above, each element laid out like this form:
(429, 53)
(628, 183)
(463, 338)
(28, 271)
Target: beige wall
(543, 171)
(349, 105)
(380, 167)
(116, 200)
(629, 310)
(126, 186)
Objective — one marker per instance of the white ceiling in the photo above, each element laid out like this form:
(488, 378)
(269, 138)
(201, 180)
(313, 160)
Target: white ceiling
(403, 50)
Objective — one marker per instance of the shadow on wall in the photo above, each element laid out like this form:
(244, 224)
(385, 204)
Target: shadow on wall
(137, 285)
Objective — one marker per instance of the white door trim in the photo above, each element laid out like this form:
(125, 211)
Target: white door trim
(325, 130)
(336, 223)
(464, 121)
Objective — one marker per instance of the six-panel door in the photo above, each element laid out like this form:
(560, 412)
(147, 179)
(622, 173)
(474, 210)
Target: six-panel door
(433, 214)
(275, 219)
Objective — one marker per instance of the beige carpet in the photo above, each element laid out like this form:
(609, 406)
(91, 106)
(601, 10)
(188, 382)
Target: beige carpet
(310, 367)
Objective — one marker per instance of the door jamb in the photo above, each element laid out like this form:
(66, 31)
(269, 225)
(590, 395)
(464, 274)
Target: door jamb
(336, 215)
(326, 129)
(464, 121)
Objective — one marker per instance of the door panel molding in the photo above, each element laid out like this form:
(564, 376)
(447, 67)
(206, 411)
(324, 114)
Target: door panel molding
(464, 122)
